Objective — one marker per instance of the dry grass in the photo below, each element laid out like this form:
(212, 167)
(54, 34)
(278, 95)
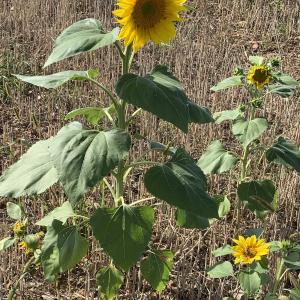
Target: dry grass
(220, 34)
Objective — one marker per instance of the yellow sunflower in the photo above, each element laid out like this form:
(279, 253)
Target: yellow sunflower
(19, 228)
(24, 247)
(148, 20)
(250, 249)
(259, 75)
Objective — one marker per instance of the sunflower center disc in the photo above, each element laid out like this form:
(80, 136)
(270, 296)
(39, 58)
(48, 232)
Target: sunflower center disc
(260, 76)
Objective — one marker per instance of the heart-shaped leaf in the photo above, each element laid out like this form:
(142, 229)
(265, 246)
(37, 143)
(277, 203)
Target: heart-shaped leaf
(181, 183)
(123, 232)
(83, 36)
(32, 174)
(228, 83)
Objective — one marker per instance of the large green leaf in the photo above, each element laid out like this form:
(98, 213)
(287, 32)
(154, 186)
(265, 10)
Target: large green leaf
(123, 232)
(14, 211)
(61, 213)
(72, 247)
(228, 83)
(162, 94)
(286, 79)
(285, 152)
(256, 60)
(222, 251)
(109, 281)
(156, 268)
(92, 114)
(181, 183)
(284, 91)
(227, 115)
(250, 282)
(258, 196)
(189, 220)
(83, 157)
(220, 270)
(32, 174)
(62, 249)
(54, 80)
(199, 114)
(7, 242)
(83, 36)
(216, 159)
(248, 131)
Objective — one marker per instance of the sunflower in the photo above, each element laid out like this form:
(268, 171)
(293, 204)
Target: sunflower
(249, 249)
(25, 247)
(148, 20)
(19, 228)
(259, 75)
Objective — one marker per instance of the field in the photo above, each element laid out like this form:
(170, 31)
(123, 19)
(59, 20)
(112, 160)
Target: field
(215, 37)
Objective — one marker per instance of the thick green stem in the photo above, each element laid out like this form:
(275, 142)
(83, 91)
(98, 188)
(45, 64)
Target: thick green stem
(244, 161)
(16, 285)
(278, 276)
(126, 63)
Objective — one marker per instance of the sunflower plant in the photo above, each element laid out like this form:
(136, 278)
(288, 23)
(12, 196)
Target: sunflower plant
(253, 270)
(248, 125)
(94, 158)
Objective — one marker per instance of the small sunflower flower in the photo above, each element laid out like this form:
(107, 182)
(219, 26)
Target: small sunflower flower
(19, 228)
(259, 75)
(24, 247)
(249, 250)
(148, 20)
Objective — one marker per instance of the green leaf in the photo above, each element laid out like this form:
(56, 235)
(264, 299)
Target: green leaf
(14, 211)
(181, 183)
(83, 157)
(220, 270)
(256, 60)
(248, 131)
(162, 94)
(228, 83)
(92, 114)
(62, 249)
(227, 115)
(189, 220)
(109, 281)
(32, 241)
(258, 196)
(50, 251)
(83, 36)
(270, 296)
(294, 294)
(199, 114)
(123, 232)
(32, 174)
(222, 251)
(7, 242)
(286, 79)
(275, 246)
(250, 282)
(286, 153)
(284, 91)
(156, 268)
(292, 260)
(61, 213)
(72, 247)
(224, 205)
(216, 160)
(54, 81)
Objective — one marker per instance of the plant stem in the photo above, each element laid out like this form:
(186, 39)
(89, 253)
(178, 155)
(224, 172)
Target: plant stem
(244, 161)
(279, 272)
(126, 63)
(16, 285)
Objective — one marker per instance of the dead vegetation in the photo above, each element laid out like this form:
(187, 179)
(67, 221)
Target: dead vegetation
(217, 36)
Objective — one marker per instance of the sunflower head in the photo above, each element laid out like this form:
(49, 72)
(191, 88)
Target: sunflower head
(19, 228)
(148, 20)
(250, 249)
(25, 247)
(259, 75)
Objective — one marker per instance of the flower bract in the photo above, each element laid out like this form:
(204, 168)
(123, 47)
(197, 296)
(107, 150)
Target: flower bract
(19, 228)
(148, 20)
(259, 75)
(249, 250)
